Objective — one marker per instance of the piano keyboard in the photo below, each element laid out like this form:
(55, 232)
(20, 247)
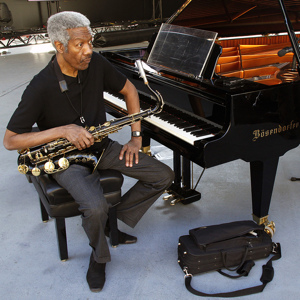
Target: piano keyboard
(187, 132)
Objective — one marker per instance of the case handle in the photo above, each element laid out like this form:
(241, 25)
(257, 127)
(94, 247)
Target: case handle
(224, 258)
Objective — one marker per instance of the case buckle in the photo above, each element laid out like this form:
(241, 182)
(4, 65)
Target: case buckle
(187, 274)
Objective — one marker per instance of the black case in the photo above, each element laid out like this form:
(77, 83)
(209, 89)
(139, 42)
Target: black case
(223, 246)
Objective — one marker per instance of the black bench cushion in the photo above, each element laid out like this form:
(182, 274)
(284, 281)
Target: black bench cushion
(58, 201)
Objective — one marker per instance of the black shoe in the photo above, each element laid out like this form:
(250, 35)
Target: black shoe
(123, 237)
(95, 275)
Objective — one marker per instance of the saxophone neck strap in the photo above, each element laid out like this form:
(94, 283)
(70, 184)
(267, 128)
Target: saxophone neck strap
(60, 77)
(64, 88)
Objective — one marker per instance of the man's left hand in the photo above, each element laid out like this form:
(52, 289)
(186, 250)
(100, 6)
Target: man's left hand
(131, 151)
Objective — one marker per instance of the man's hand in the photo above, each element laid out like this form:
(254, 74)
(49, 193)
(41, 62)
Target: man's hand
(75, 134)
(131, 150)
(78, 136)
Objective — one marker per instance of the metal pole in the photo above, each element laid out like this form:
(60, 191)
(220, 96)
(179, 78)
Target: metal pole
(291, 33)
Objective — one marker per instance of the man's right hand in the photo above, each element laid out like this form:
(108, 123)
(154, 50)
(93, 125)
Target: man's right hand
(78, 136)
(75, 134)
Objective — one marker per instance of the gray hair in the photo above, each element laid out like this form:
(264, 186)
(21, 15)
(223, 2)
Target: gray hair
(58, 24)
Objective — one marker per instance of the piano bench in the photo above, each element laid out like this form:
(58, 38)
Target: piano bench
(58, 204)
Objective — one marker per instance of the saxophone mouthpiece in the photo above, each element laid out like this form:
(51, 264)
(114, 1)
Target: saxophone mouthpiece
(141, 70)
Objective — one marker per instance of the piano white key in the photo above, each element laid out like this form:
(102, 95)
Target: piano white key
(178, 132)
(117, 101)
(155, 120)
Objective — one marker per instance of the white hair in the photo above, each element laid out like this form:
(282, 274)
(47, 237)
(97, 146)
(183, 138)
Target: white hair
(58, 24)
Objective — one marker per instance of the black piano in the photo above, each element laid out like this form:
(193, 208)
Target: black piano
(245, 104)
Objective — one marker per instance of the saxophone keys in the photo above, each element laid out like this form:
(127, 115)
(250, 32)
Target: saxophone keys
(106, 124)
(49, 167)
(36, 171)
(39, 155)
(63, 163)
(23, 169)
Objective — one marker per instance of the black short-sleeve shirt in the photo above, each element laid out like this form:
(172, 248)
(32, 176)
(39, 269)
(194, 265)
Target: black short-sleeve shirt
(43, 102)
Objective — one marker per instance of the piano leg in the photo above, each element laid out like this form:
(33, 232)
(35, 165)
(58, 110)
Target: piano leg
(180, 190)
(186, 173)
(263, 175)
(176, 185)
(177, 170)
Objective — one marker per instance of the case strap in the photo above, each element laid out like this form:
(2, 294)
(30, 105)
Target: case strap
(267, 276)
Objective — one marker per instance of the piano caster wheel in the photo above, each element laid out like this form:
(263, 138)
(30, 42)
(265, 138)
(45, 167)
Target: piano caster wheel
(168, 197)
(174, 201)
(269, 225)
(270, 228)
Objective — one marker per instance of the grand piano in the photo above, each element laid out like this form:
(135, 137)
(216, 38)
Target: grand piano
(245, 102)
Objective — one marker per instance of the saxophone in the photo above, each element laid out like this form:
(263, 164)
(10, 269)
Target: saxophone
(57, 155)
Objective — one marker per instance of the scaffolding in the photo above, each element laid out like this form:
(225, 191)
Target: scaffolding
(24, 37)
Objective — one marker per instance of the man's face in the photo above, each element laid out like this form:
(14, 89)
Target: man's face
(80, 49)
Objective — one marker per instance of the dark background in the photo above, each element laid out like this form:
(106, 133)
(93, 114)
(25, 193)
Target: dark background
(28, 15)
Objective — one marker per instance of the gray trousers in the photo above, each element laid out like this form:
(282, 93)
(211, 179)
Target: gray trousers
(153, 177)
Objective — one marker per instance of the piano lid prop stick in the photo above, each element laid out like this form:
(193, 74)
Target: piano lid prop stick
(291, 33)
(141, 71)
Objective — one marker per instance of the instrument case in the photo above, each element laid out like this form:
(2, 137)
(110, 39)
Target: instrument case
(233, 246)
(226, 245)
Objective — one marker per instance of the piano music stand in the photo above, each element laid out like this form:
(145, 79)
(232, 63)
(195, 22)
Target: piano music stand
(190, 50)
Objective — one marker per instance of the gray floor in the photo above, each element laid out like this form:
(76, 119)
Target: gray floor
(30, 265)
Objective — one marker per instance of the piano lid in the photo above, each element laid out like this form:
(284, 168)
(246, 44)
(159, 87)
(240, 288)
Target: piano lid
(237, 17)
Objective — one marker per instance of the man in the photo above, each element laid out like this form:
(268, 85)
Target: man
(65, 114)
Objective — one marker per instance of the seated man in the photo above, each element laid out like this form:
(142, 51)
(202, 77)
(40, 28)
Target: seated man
(66, 114)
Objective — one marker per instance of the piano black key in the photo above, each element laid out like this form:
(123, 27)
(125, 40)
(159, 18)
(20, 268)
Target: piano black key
(167, 117)
(183, 124)
(196, 127)
(199, 133)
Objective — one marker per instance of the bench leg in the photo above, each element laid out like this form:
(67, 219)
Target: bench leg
(113, 234)
(60, 225)
(45, 217)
